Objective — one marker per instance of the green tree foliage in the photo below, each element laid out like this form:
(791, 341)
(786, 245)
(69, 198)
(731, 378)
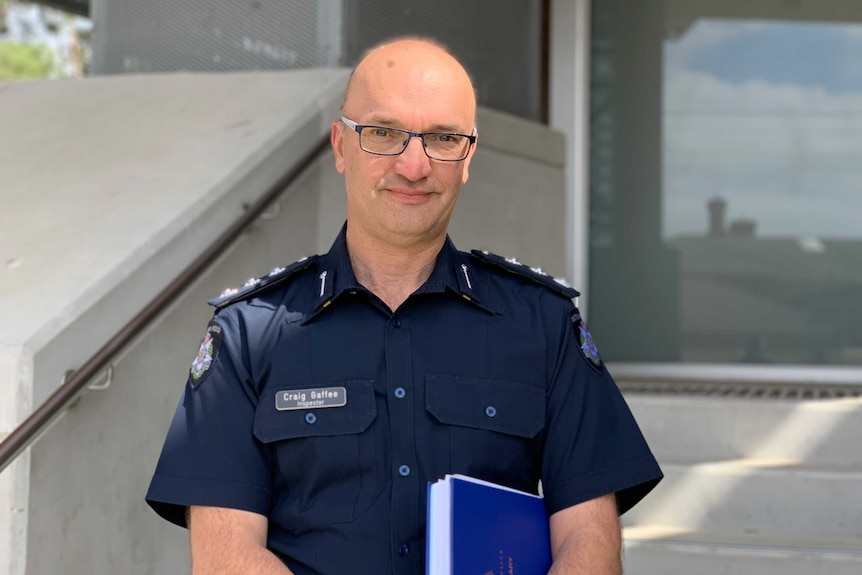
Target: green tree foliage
(25, 61)
(22, 61)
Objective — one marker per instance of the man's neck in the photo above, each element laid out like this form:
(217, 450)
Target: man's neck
(392, 272)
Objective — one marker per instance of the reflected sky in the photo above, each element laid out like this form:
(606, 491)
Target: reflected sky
(802, 54)
(767, 115)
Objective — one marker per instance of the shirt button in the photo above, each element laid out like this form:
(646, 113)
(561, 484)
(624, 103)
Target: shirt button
(404, 550)
(400, 392)
(404, 470)
(491, 411)
(397, 323)
(310, 418)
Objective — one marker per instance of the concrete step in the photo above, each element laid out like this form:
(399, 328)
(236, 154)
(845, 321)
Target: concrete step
(662, 551)
(754, 496)
(821, 433)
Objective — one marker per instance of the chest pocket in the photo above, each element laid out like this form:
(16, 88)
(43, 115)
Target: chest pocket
(324, 455)
(489, 427)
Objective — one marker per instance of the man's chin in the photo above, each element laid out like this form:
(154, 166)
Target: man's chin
(416, 230)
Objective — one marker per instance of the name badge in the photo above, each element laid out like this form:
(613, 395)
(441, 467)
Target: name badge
(317, 398)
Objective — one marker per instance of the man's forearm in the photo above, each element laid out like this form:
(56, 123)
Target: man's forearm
(230, 542)
(593, 552)
(242, 561)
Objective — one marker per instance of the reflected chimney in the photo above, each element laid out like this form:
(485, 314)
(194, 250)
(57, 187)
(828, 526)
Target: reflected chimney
(717, 209)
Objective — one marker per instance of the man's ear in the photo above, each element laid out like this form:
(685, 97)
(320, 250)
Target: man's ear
(336, 139)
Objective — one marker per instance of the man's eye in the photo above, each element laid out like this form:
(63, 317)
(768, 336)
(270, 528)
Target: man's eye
(446, 139)
(380, 132)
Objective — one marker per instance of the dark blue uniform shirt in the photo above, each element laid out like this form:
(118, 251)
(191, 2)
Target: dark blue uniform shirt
(482, 371)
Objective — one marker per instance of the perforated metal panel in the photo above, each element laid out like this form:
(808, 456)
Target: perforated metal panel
(204, 35)
(499, 42)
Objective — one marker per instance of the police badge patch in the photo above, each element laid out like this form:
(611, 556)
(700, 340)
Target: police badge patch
(206, 354)
(585, 342)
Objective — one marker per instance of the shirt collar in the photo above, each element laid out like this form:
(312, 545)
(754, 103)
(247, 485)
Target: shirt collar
(335, 274)
(453, 271)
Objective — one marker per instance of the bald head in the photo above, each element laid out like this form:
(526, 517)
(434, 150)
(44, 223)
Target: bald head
(412, 72)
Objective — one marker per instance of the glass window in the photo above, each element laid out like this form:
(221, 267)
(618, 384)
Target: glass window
(726, 181)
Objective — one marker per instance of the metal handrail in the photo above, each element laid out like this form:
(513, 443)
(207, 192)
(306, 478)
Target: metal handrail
(23, 435)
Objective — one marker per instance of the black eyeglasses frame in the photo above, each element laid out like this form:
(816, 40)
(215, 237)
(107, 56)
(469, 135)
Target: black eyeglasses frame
(410, 135)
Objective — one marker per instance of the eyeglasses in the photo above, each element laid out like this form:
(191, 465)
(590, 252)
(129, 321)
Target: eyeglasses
(384, 141)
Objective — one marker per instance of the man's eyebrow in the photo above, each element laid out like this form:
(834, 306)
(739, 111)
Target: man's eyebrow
(381, 121)
(450, 128)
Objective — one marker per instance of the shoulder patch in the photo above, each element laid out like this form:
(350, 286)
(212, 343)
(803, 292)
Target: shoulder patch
(255, 286)
(586, 345)
(207, 354)
(512, 265)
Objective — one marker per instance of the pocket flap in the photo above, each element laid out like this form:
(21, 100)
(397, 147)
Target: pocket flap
(492, 404)
(305, 410)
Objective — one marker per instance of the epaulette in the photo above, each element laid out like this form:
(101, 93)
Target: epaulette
(255, 286)
(512, 265)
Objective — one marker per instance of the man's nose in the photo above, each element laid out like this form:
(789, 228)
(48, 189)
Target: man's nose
(413, 163)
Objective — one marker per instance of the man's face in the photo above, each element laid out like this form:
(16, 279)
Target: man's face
(409, 197)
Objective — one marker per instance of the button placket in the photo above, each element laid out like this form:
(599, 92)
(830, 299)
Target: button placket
(399, 378)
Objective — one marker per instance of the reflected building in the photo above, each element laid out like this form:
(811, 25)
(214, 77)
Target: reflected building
(749, 299)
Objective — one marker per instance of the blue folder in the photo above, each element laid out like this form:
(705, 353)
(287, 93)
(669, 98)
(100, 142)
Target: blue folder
(479, 528)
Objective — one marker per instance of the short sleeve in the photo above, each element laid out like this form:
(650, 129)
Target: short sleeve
(210, 456)
(593, 445)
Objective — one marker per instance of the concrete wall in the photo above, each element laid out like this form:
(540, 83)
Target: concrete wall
(15, 375)
(76, 506)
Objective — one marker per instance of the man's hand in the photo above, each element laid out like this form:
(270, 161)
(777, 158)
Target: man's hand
(229, 542)
(586, 538)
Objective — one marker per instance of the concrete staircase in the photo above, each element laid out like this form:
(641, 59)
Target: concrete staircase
(755, 486)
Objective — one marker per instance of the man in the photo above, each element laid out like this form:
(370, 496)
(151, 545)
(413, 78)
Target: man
(326, 396)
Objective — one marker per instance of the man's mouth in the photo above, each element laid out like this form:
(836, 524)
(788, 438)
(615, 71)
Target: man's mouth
(410, 194)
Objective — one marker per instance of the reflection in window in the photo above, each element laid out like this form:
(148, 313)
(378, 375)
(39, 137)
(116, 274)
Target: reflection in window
(726, 216)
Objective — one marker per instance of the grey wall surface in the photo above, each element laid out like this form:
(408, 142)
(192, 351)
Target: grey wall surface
(88, 474)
